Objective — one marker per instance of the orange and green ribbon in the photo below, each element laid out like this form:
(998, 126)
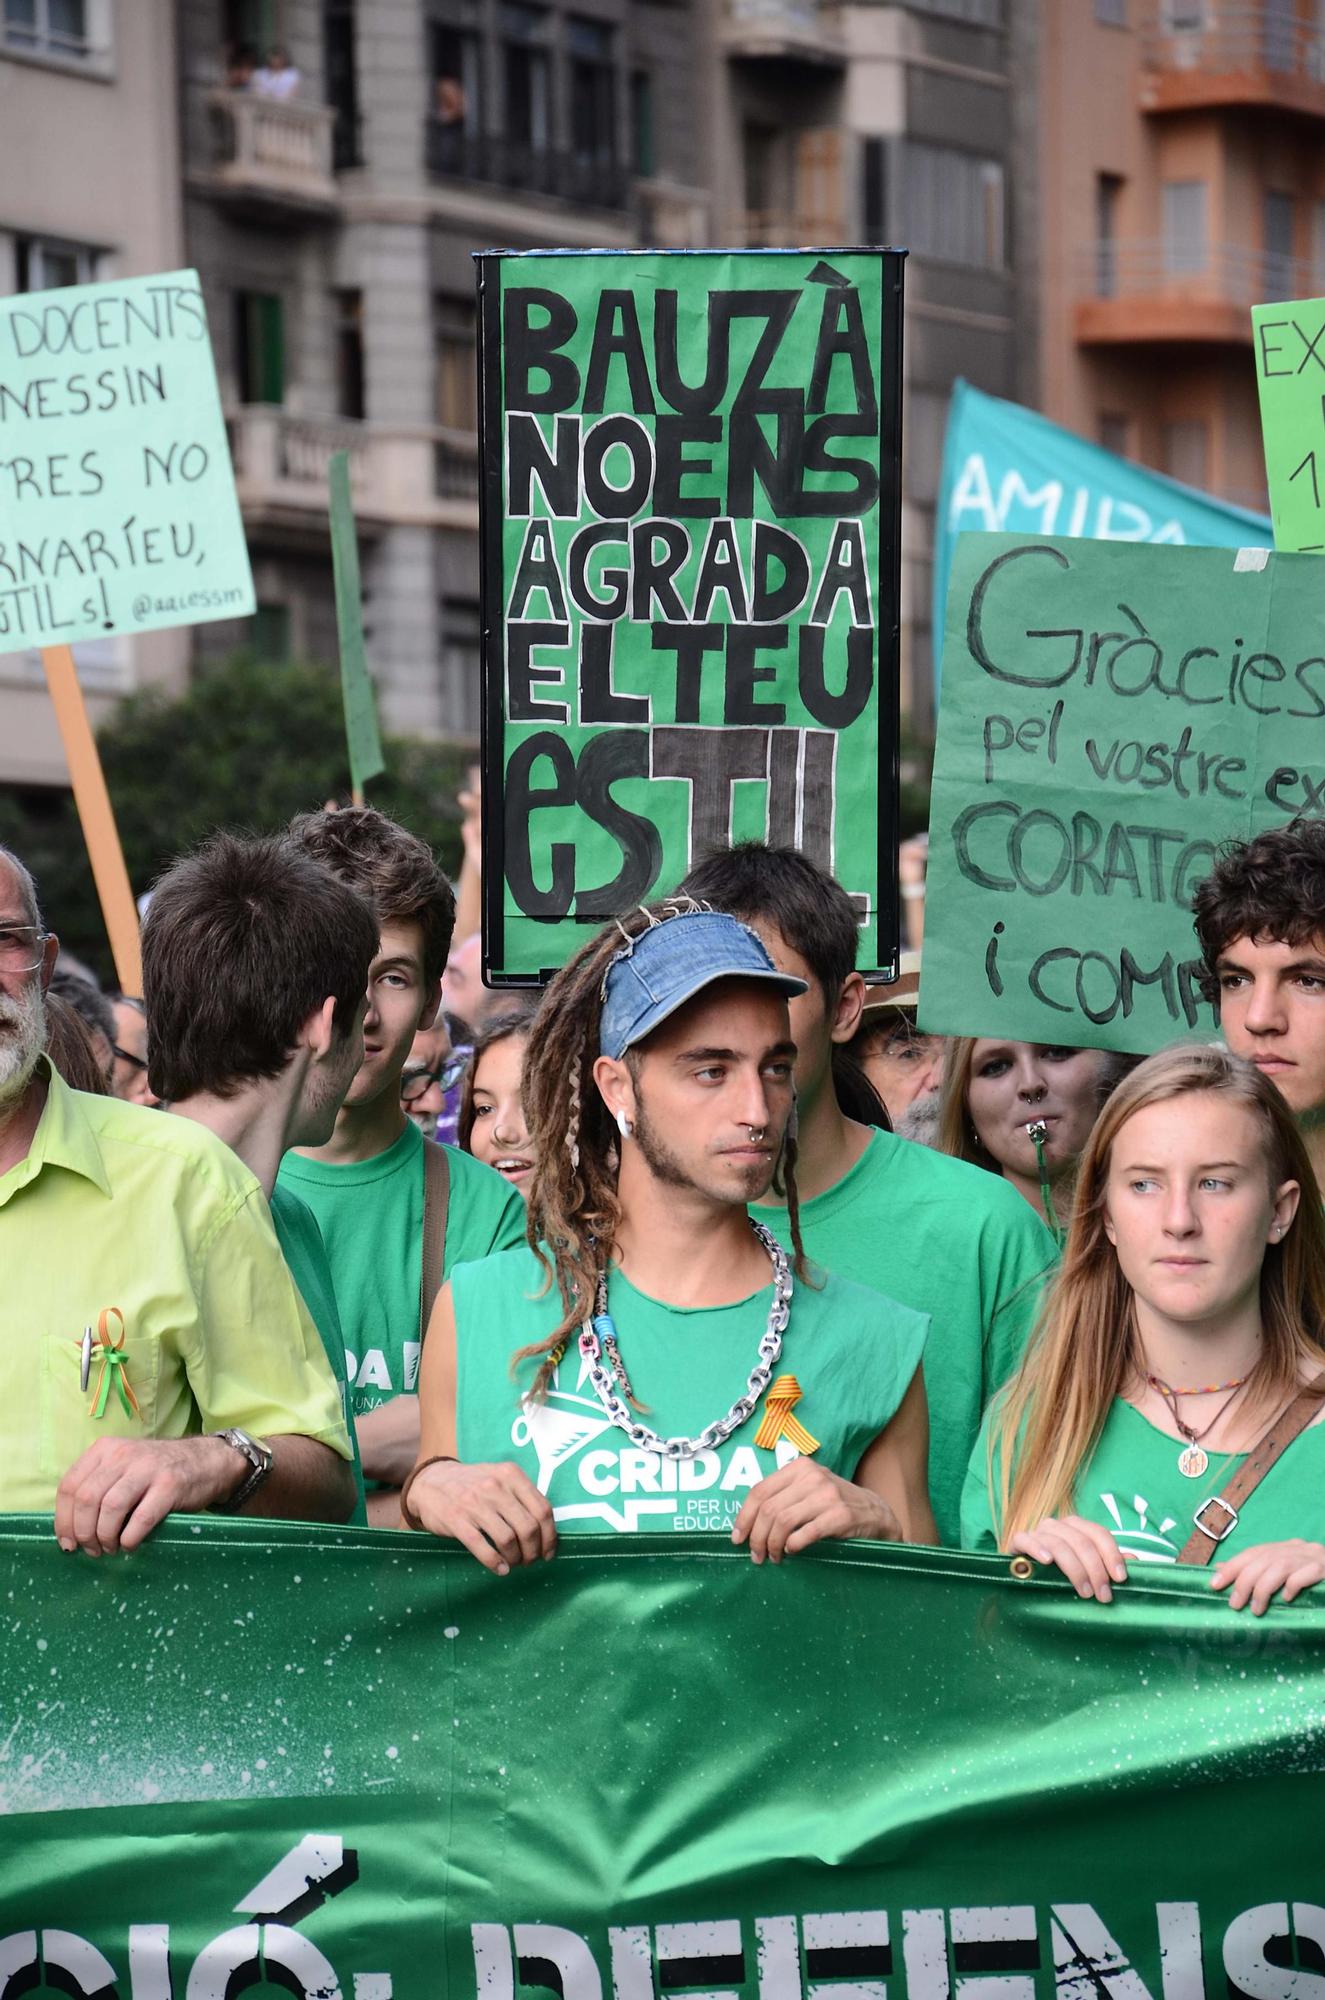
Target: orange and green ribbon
(114, 1368)
(778, 1422)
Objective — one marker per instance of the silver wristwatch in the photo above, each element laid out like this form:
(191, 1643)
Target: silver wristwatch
(258, 1458)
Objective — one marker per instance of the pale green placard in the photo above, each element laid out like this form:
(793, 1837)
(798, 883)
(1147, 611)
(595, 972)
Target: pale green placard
(1290, 377)
(1111, 713)
(117, 499)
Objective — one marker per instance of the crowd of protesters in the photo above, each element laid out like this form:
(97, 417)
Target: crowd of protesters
(710, 1237)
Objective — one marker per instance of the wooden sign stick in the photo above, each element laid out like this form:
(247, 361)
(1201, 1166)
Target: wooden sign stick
(98, 821)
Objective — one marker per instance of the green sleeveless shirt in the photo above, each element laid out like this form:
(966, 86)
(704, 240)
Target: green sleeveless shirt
(852, 1351)
(1131, 1485)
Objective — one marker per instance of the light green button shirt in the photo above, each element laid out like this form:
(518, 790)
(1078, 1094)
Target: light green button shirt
(119, 1206)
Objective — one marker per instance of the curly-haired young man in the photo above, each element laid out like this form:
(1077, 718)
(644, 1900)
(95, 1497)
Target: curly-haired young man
(366, 1186)
(1260, 919)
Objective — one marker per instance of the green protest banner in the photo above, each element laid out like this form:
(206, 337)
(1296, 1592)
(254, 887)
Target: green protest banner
(689, 577)
(1290, 378)
(1110, 714)
(117, 500)
(353, 1764)
(356, 685)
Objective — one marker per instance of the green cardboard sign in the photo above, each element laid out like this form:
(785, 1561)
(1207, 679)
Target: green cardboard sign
(690, 579)
(326, 1764)
(1110, 714)
(1290, 378)
(361, 733)
(117, 499)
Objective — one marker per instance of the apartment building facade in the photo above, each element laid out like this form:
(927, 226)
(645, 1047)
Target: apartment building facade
(333, 231)
(1183, 174)
(84, 83)
(886, 122)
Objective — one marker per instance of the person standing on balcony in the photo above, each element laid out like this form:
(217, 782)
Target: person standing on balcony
(278, 76)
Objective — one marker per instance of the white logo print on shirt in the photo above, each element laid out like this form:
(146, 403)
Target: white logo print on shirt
(1135, 1537)
(625, 1487)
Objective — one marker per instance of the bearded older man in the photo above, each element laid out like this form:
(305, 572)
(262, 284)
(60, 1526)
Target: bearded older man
(158, 1358)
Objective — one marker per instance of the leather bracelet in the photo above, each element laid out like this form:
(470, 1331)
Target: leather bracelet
(410, 1518)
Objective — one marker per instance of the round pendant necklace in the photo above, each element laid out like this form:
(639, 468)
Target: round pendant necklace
(1192, 1461)
(598, 1339)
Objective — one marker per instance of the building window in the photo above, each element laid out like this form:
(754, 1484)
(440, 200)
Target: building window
(456, 349)
(1183, 17)
(874, 190)
(269, 634)
(1108, 192)
(1184, 227)
(455, 102)
(48, 28)
(341, 68)
(1111, 13)
(461, 665)
(1185, 452)
(643, 147)
(954, 204)
(592, 93)
(44, 264)
(1113, 432)
(260, 347)
(348, 319)
(976, 13)
(1277, 282)
(525, 88)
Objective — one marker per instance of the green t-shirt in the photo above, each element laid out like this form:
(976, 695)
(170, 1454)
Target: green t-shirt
(954, 1242)
(852, 1353)
(305, 1253)
(370, 1213)
(1132, 1486)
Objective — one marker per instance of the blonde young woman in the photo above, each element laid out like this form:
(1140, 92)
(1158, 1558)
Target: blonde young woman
(997, 1093)
(1187, 1317)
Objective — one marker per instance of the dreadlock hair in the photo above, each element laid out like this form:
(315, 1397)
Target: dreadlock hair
(573, 1207)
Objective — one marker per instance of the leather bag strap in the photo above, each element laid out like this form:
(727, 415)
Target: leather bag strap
(1221, 1510)
(436, 1201)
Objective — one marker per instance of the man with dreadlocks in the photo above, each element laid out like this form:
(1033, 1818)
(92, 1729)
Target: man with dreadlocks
(677, 1370)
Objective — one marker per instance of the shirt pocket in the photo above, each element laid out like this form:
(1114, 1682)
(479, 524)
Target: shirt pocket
(68, 1426)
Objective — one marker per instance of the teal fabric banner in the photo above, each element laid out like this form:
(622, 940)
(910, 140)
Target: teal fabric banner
(1009, 469)
(353, 1766)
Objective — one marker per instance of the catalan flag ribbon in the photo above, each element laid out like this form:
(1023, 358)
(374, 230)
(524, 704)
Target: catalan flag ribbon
(778, 1422)
(114, 1368)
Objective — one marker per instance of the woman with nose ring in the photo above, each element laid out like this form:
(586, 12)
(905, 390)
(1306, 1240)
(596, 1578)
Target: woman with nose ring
(1024, 1110)
(492, 1123)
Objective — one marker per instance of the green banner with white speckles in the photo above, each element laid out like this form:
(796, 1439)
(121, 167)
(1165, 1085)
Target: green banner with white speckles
(351, 1763)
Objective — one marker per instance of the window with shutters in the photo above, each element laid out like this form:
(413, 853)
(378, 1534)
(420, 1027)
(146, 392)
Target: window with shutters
(953, 206)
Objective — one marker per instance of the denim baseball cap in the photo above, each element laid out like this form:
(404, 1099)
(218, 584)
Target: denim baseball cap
(670, 963)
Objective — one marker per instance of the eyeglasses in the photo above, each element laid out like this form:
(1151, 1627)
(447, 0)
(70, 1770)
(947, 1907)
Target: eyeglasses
(126, 1056)
(418, 1081)
(21, 947)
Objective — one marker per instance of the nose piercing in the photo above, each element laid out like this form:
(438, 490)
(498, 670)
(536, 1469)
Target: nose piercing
(756, 1133)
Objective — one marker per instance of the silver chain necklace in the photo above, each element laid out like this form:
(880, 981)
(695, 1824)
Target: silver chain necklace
(599, 1333)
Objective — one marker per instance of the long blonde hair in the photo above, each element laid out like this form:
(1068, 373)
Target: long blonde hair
(1084, 1349)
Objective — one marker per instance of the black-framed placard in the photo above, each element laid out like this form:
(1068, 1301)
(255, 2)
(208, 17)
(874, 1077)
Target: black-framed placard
(690, 573)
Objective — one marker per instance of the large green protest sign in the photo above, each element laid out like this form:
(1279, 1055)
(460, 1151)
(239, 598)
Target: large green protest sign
(690, 579)
(1110, 714)
(355, 1767)
(117, 500)
(1290, 377)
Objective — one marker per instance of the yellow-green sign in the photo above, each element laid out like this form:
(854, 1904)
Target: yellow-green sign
(1290, 375)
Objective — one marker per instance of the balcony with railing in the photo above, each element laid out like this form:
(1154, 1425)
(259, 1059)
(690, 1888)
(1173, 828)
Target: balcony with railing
(272, 154)
(1129, 293)
(454, 154)
(424, 476)
(783, 31)
(1206, 54)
